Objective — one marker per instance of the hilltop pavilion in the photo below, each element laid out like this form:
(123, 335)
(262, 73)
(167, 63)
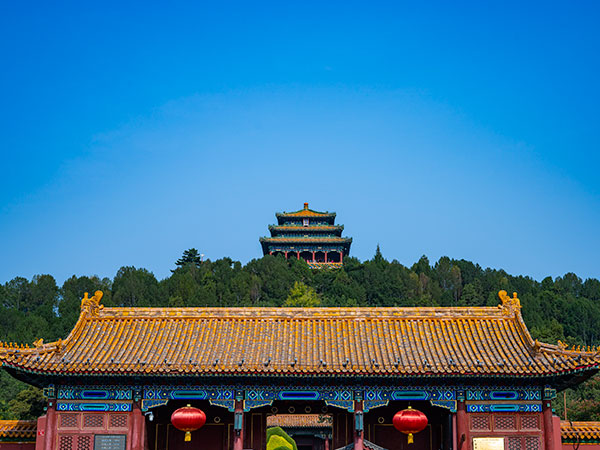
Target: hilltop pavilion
(309, 235)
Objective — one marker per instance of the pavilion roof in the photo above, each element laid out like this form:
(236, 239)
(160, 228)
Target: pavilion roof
(306, 212)
(311, 239)
(308, 228)
(431, 342)
(580, 431)
(18, 430)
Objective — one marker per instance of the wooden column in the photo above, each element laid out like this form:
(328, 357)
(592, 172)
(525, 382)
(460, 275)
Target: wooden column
(138, 428)
(359, 435)
(238, 435)
(326, 443)
(298, 255)
(448, 432)
(50, 431)
(548, 425)
(462, 424)
(341, 256)
(285, 254)
(313, 257)
(325, 256)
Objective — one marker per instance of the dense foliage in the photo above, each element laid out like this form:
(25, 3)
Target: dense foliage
(277, 439)
(566, 308)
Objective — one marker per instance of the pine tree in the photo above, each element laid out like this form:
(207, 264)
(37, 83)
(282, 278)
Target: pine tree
(190, 256)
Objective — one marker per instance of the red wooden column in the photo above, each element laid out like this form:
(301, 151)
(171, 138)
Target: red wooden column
(50, 431)
(138, 428)
(238, 425)
(359, 434)
(462, 437)
(548, 425)
(326, 443)
(313, 257)
(286, 255)
(298, 255)
(325, 256)
(341, 257)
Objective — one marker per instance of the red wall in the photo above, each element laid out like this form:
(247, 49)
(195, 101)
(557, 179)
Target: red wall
(17, 445)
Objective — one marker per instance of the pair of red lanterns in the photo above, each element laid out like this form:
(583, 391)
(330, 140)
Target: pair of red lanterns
(408, 421)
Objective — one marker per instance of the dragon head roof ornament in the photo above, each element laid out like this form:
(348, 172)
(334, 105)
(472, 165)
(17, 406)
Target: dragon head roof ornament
(510, 305)
(91, 305)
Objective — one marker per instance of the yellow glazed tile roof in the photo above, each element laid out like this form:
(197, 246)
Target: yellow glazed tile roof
(305, 239)
(305, 212)
(299, 341)
(18, 429)
(307, 228)
(299, 421)
(580, 431)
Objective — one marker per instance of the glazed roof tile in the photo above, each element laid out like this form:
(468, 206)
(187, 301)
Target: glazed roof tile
(461, 341)
(299, 421)
(18, 429)
(307, 228)
(305, 239)
(306, 212)
(580, 431)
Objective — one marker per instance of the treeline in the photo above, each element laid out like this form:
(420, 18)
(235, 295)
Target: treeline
(565, 308)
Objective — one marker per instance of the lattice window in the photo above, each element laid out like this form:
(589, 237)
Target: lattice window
(118, 420)
(68, 421)
(514, 443)
(65, 442)
(84, 442)
(532, 443)
(505, 422)
(93, 421)
(530, 422)
(480, 422)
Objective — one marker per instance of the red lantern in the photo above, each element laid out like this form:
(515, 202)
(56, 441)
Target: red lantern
(188, 419)
(410, 421)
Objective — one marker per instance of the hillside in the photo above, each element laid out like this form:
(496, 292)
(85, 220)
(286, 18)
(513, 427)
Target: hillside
(566, 308)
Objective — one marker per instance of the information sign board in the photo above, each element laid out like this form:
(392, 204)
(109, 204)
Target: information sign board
(488, 443)
(110, 441)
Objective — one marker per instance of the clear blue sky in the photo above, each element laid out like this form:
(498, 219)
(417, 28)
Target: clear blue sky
(130, 133)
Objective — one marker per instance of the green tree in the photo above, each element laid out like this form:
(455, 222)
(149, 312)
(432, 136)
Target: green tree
(135, 287)
(28, 404)
(190, 257)
(302, 296)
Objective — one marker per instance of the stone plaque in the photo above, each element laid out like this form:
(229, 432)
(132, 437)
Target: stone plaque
(110, 441)
(488, 443)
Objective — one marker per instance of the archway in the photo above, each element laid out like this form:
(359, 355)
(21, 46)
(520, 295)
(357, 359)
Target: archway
(320, 256)
(306, 256)
(333, 257)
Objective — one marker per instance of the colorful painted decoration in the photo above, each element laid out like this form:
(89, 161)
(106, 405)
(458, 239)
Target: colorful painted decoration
(410, 421)
(188, 419)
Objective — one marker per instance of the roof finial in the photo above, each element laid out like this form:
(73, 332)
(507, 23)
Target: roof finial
(92, 305)
(305, 205)
(509, 304)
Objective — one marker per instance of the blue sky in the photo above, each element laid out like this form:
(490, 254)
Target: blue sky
(130, 133)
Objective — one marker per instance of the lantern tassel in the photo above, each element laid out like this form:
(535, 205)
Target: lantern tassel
(410, 438)
(188, 436)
